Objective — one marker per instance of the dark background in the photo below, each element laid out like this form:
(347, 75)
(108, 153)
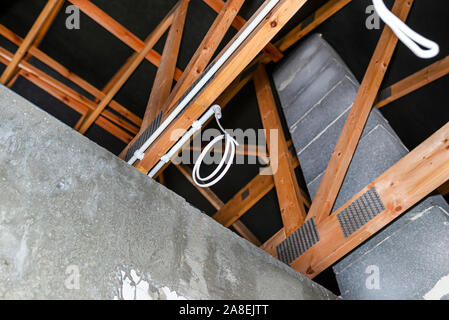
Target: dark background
(95, 55)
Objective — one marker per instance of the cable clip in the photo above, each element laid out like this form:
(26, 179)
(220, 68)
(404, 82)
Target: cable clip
(139, 154)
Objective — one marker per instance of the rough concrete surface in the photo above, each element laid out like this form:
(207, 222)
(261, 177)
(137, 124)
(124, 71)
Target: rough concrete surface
(76, 222)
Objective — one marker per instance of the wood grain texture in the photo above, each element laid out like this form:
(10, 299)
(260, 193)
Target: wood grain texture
(414, 82)
(304, 28)
(287, 189)
(263, 33)
(83, 84)
(403, 185)
(119, 31)
(68, 96)
(131, 67)
(347, 143)
(28, 41)
(238, 23)
(163, 81)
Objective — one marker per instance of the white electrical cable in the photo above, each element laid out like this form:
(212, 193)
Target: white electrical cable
(409, 37)
(228, 156)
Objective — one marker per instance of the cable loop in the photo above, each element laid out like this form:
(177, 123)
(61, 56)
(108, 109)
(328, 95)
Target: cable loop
(228, 156)
(410, 38)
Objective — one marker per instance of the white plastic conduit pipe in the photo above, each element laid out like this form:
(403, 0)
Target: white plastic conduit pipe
(196, 126)
(204, 79)
(409, 37)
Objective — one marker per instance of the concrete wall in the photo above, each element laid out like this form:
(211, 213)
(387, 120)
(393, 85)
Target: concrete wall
(76, 222)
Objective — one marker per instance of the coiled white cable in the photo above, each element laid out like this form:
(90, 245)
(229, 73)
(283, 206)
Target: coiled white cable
(228, 156)
(409, 37)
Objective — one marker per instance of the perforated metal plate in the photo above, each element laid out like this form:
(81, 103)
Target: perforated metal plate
(298, 242)
(358, 213)
(144, 136)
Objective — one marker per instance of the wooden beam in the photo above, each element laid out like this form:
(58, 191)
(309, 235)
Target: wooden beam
(68, 96)
(149, 43)
(35, 52)
(310, 23)
(355, 122)
(243, 230)
(205, 51)
(403, 185)
(39, 38)
(119, 31)
(270, 245)
(161, 179)
(245, 199)
(48, 23)
(238, 23)
(292, 208)
(222, 101)
(28, 41)
(164, 77)
(304, 28)
(117, 75)
(230, 92)
(207, 193)
(262, 34)
(444, 188)
(414, 82)
(249, 195)
(76, 105)
(216, 202)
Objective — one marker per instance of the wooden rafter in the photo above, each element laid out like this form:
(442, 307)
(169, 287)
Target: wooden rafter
(270, 245)
(118, 31)
(249, 195)
(205, 50)
(414, 82)
(290, 202)
(243, 200)
(164, 77)
(238, 23)
(262, 34)
(41, 56)
(28, 41)
(304, 28)
(403, 185)
(444, 189)
(200, 59)
(70, 97)
(310, 23)
(161, 179)
(149, 43)
(243, 230)
(357, 117)
(216, 202)
(39, 38)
